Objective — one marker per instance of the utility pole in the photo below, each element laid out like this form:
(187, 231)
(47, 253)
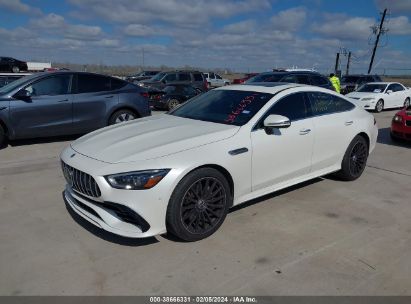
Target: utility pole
(337, 63)
(347, 71)
(380, 30)
(143, 58)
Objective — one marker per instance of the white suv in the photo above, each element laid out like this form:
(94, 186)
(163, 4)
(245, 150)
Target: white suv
(215, 80)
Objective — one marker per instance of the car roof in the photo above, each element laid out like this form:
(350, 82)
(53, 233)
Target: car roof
(263, 87)
(381, 82)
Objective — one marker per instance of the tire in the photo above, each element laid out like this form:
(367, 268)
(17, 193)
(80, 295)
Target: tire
(121, 116)
(3, 137)
(407, 102)
(379, 106)
(15, 69)
(172, 103)
(355, 160)
(198, 205)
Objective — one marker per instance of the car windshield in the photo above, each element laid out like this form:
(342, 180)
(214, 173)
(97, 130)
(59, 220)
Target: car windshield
(372, 88)
(229, 107)
(157, 77)
(350, 79)
(15, 84)
(265, 78)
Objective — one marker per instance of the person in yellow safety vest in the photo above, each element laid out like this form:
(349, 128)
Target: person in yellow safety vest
(335, 82)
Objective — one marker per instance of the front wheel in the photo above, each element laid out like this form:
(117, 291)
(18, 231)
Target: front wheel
(379, 106)
(355, 159)
(121, 116)
(198, 205)
(15, 69)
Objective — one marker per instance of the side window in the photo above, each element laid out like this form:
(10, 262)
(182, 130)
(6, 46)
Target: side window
(198, 77)
(218, 76)
(323, 103)
(398, 87)
(212, 76)
(171, 77)
(117, 83)
(87, 83)
(292, 106)
(303, 79)
(391, 87)
(318, 80)
(55, 85)
(184, 77)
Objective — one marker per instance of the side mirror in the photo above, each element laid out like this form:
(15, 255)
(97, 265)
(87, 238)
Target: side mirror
(388, 92)
(23, 95)
(277, 121)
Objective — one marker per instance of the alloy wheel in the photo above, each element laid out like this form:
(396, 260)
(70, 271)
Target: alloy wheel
(124, 117)
(407, 102)
(379, 107)
(172, 104)
(203, 205)
(358, 158)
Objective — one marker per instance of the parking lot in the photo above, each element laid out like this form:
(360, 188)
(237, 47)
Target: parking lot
(325, 237)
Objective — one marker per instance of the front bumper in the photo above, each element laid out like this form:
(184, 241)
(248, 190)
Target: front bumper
(129, 213)
(401, 131)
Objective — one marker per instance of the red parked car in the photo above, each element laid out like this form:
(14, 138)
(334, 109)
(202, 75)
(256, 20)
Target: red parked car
(401, 125)
(245, 78)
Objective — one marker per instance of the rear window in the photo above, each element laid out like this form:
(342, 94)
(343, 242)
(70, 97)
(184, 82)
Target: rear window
(92, 83)
(266, 78)
(318, 80)
(198, 77)
(117, 84)
(323, 103)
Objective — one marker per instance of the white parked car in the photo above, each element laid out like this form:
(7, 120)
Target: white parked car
(214, 80)
(180, 172)
(378, 96)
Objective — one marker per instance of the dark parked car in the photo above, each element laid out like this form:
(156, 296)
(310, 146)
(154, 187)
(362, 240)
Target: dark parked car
(194, 78)
(350, 83)
(303, 77)
(6, 78)
(244, 79)
(142, 76)
(171, 96)
(63, 103)
(8, 64)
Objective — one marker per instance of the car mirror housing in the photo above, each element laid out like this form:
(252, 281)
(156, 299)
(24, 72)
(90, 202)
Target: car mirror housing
(22, 94)
(277, 121)
(389, 91)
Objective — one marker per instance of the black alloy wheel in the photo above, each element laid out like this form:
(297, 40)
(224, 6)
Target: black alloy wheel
(358, 158)
(198, 205)
(203, 205)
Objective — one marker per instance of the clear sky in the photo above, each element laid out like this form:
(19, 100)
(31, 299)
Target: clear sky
(242, 35)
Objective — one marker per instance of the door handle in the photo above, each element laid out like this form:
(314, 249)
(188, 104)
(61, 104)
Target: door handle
(64, 100)
(349, 123)
(305, 131)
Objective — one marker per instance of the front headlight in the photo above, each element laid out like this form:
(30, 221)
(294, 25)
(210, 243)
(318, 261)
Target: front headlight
(397, 119)
(138, 180)
(368, 98)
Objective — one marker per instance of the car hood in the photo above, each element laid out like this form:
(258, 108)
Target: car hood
(149, 138)
(362, 94)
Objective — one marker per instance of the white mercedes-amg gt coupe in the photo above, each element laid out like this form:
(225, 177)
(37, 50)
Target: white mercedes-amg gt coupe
(180, 172)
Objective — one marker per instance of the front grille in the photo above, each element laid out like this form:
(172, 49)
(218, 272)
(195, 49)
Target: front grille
(80, 181)
(408, 123)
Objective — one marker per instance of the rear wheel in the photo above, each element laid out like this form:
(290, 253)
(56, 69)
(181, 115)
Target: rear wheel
(407, 102)
(355, 159)
(172, 103)
(379, 106)
(121, 116)
(3, 138)
(198, 205)
(15, 69)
